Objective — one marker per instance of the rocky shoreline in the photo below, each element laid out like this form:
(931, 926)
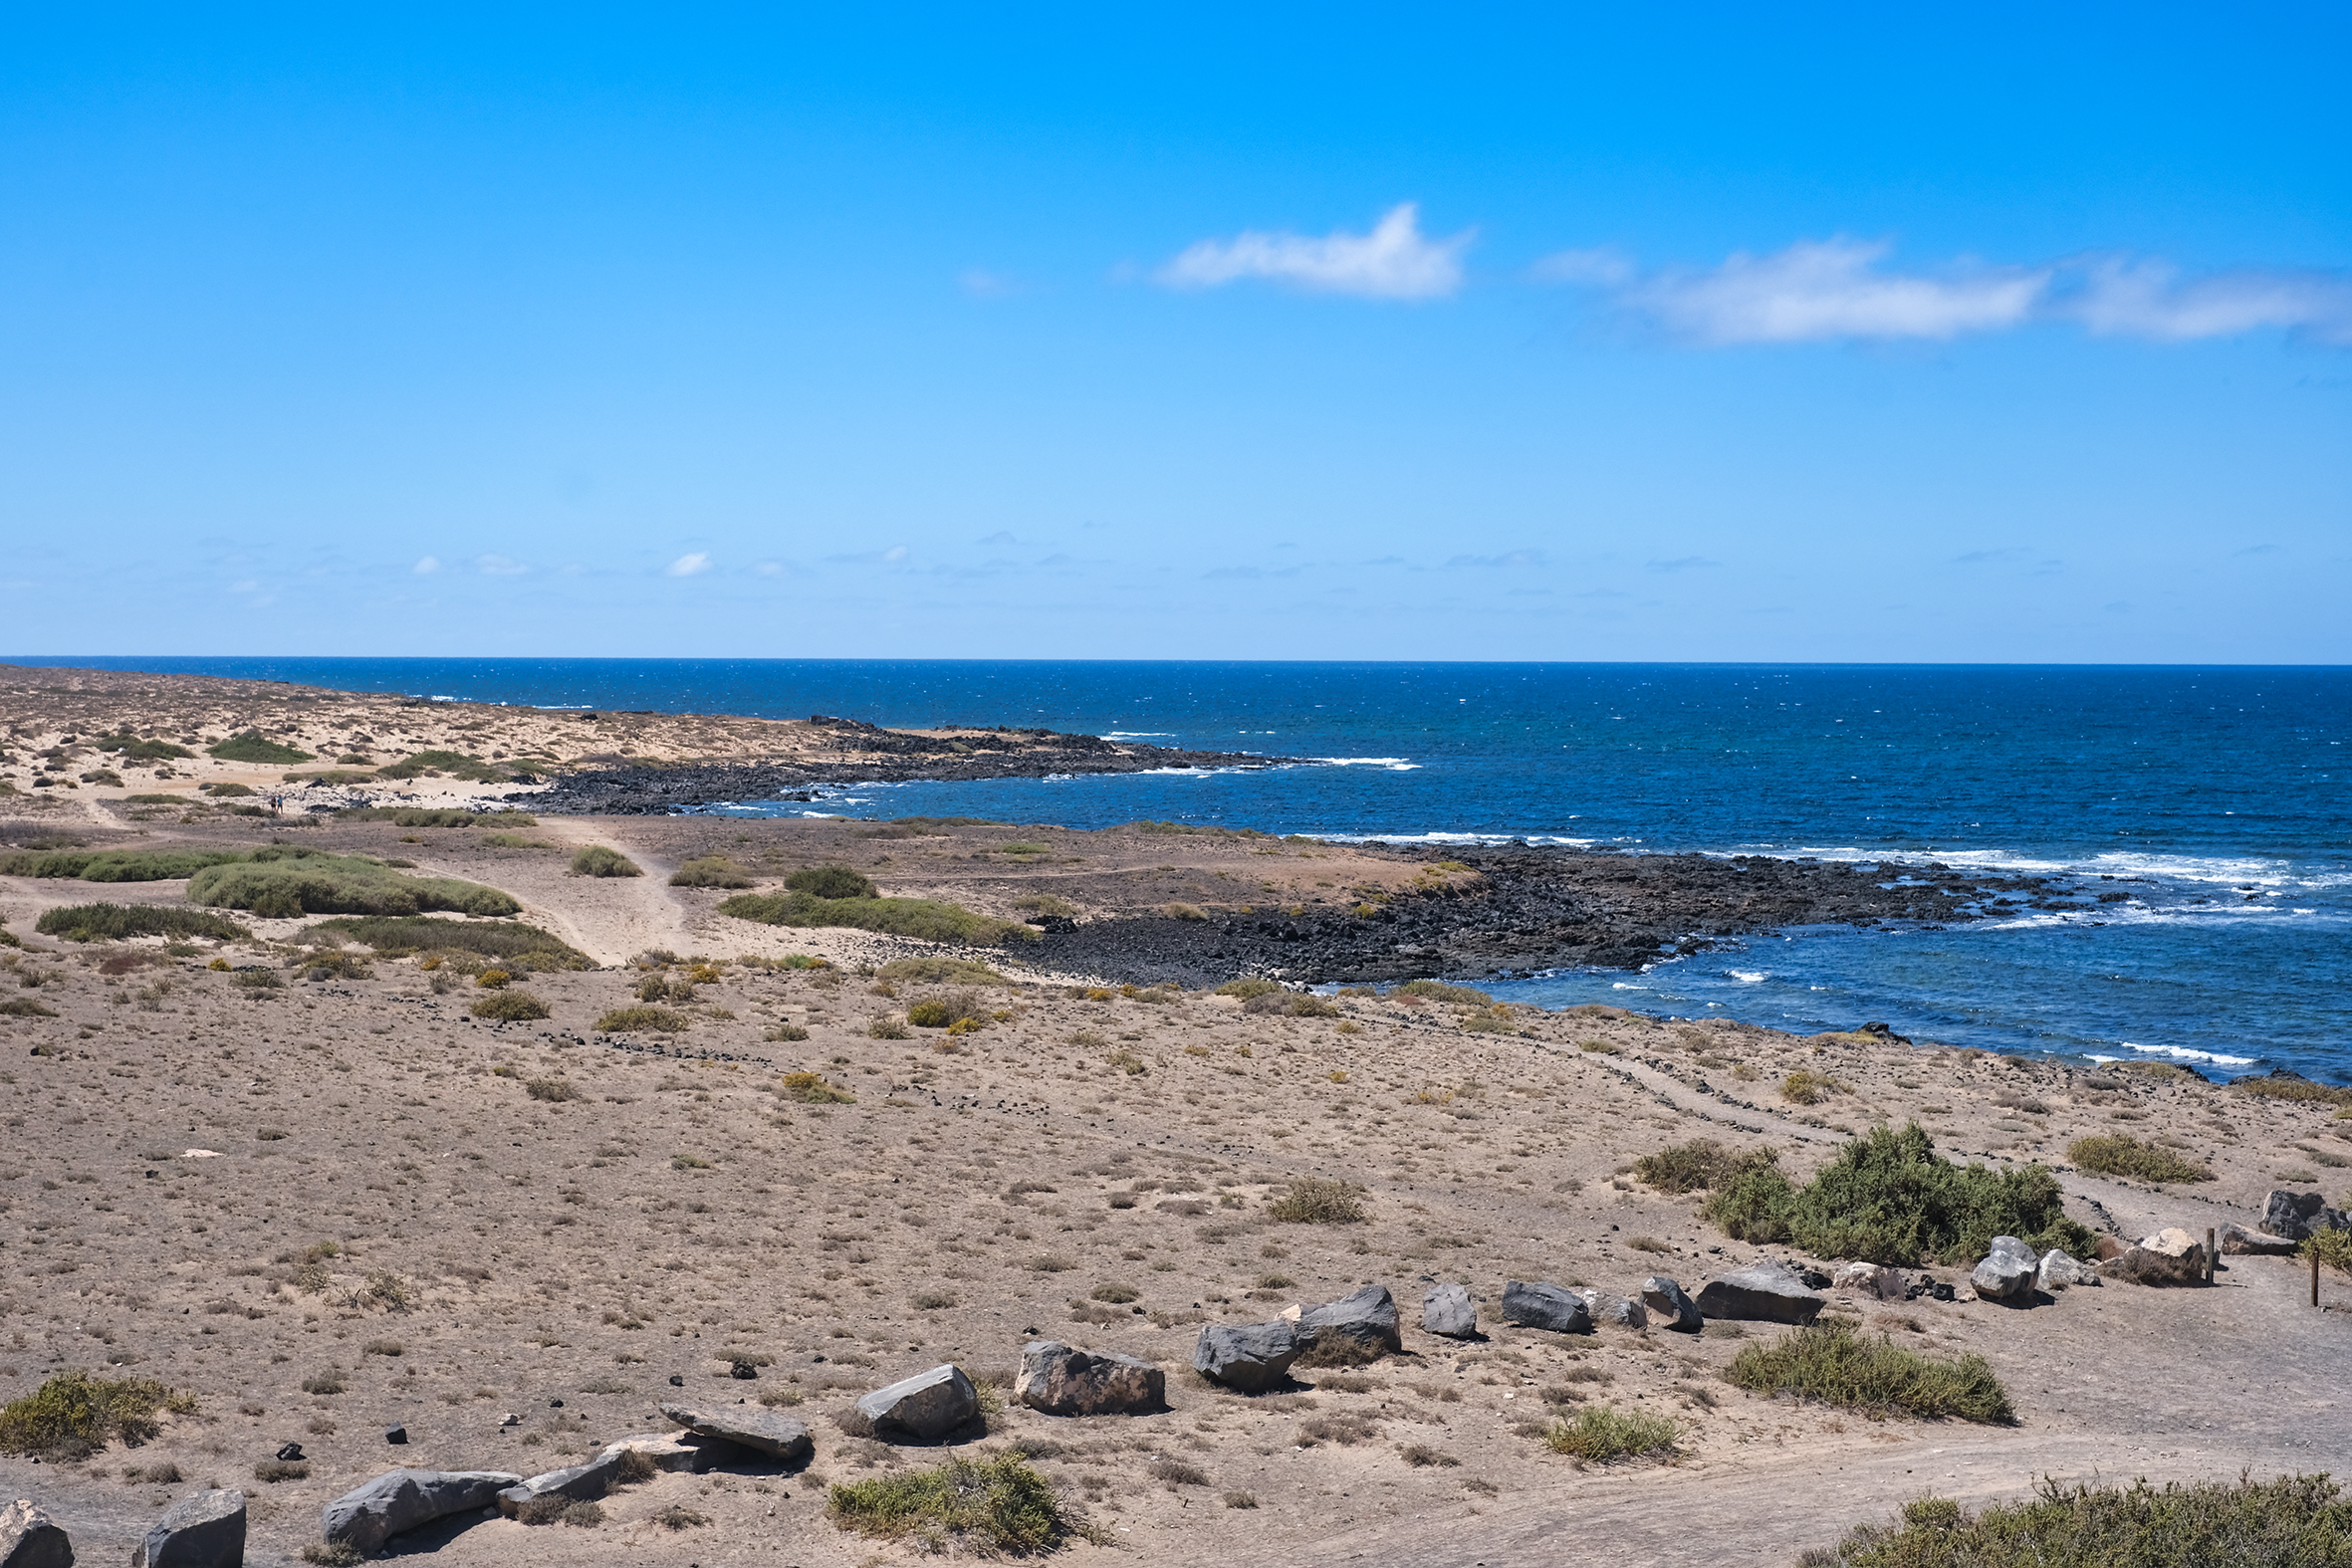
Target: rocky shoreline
(868, 754)
(1536, 908)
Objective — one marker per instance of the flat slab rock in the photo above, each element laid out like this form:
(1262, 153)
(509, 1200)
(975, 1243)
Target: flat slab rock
(1251, 1357)
(1763, 1292)
(2239, 1241)
(753, 1426)
(30, 1538)
(1542, 1304)
(925, 1406)
(401, 1500)
(206, 1530)
(1062, 1380)
(1616, 1311)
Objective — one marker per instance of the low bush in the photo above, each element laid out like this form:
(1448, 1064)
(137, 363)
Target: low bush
(254, 747)
(2277, 1088)
(1046, 904)
(831, 882)
(1690, 1167)
(1887, 1198)
(810, 1088)
(1312, 1200)
(1807, 1087)
(660, 1021)
(2120, 1154)
(1291, 1004)
(73, 1415)
(117, 865)
(940, 971)
(601, 860)
(1598, 1434)
(928, 919)
(457, 765)
(274, 1470)
(1831, 1363)
(989, 1505)
(1249, 990)
(113, 922)
(279, 882)
(1438, 991)
(2295, 1521)
(710, 871)
(946, 1008)
(25, 1008)
(434, 816)
(134, 749)
(512, 1007)
(517, 946)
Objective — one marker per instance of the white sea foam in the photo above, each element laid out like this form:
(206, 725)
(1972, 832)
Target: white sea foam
(1747, 977)
(1458, 839)
(1137, 735)
(2183, 1054)
(1396, 765)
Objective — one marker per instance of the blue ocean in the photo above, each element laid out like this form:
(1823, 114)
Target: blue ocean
(2222, 790)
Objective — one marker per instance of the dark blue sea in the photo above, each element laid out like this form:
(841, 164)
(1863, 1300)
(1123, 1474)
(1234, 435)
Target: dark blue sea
(2225, 788)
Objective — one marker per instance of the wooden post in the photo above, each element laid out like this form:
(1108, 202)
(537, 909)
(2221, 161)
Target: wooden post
(2209, 1255)
(2315, 1276)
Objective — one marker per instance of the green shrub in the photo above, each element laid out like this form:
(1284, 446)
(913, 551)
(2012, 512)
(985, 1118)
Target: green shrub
(710, 871)
(599, 860)
(2295, 1521)
(457, 765)
(810, 1088)
(402, 936)
(73, 1415)
(1689, 1167)
(2331, 1247)
(1888, 1198)
(2293, 1090)
(661, 1021)
(134, 749)
(1312, 1200)
(553, 1090)
(1046, 904)
(939, 971)
(252, 747)
(2120, 1154)
(1831, 1363)
(1438, 991)
(1291, 1004)
(831, 882)
(434, 816)
(25, 1008)
(113, 922)
(511, 1006)
(1599, 1435)
(223, 790)
(990, 1505)
(929, 920)
(155, 865)
(278, 881)
(1247, 990)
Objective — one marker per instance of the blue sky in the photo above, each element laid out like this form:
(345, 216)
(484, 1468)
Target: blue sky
(1185, 332)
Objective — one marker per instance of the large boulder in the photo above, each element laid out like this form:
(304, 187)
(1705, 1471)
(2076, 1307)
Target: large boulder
(1361, 1324)
(2171, 1256)
(673, 1452)
(925, 1406)
(2299, 1215)
(1447, 1310)
(400, 1500)
(30, 1538)
(579, 1483)
(1763, 1292)
(750, 1425)
(1672, 1303)
(2006, 1273)
(2058, 1270)
(1616, 1311)
(1062, 1380)
(1875, 1280)
(206, 1530)
(1538, 1304)
(2239, 1241)
(1250, 1357)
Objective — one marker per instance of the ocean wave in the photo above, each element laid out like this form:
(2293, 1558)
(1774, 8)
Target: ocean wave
(2183, 1054)
(1137, 735)
(2226, 870)
(1438, 838)
(1748, 977)
(1392, 764)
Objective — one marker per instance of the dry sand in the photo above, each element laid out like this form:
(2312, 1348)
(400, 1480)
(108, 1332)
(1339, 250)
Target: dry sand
(680, 1213)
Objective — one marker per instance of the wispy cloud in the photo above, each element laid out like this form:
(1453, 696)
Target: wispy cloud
(1840, 289)
(1515, 558)
(426, 567)
(691, 565)
(499, 566)
(1682, 563)
(867, 557)
(1396, 261)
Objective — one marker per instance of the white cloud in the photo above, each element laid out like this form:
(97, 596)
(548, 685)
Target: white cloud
(426, 567)
(499, 566)
(1830, 289)
(690, 565)
(1823, 290)
(1396, 260)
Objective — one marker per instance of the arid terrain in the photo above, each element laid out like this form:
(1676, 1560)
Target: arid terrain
(551, 1223)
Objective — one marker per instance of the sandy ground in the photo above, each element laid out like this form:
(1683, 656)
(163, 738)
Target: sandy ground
(680, 1213)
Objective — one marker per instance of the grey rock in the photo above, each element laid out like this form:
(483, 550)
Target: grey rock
(206, 1530)
(400, 1500)
(1363, 1321)
(2171, 1256)
(925, 1406)
(1935, 1290)
(2299, 1215)
(1448, 1310)
(1871, 1279)
(1250, 1357)
(1669, 1300)
(2057, 1271)
(675, 1452)
(396, 1433)
(1763, 1292)
(1539, 1304)
(1062, 1380)
(2006, 1273)
(30, 1538)
(748, 1426)
(290, 1452)
(2239, 1241)
(1616, 1311)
